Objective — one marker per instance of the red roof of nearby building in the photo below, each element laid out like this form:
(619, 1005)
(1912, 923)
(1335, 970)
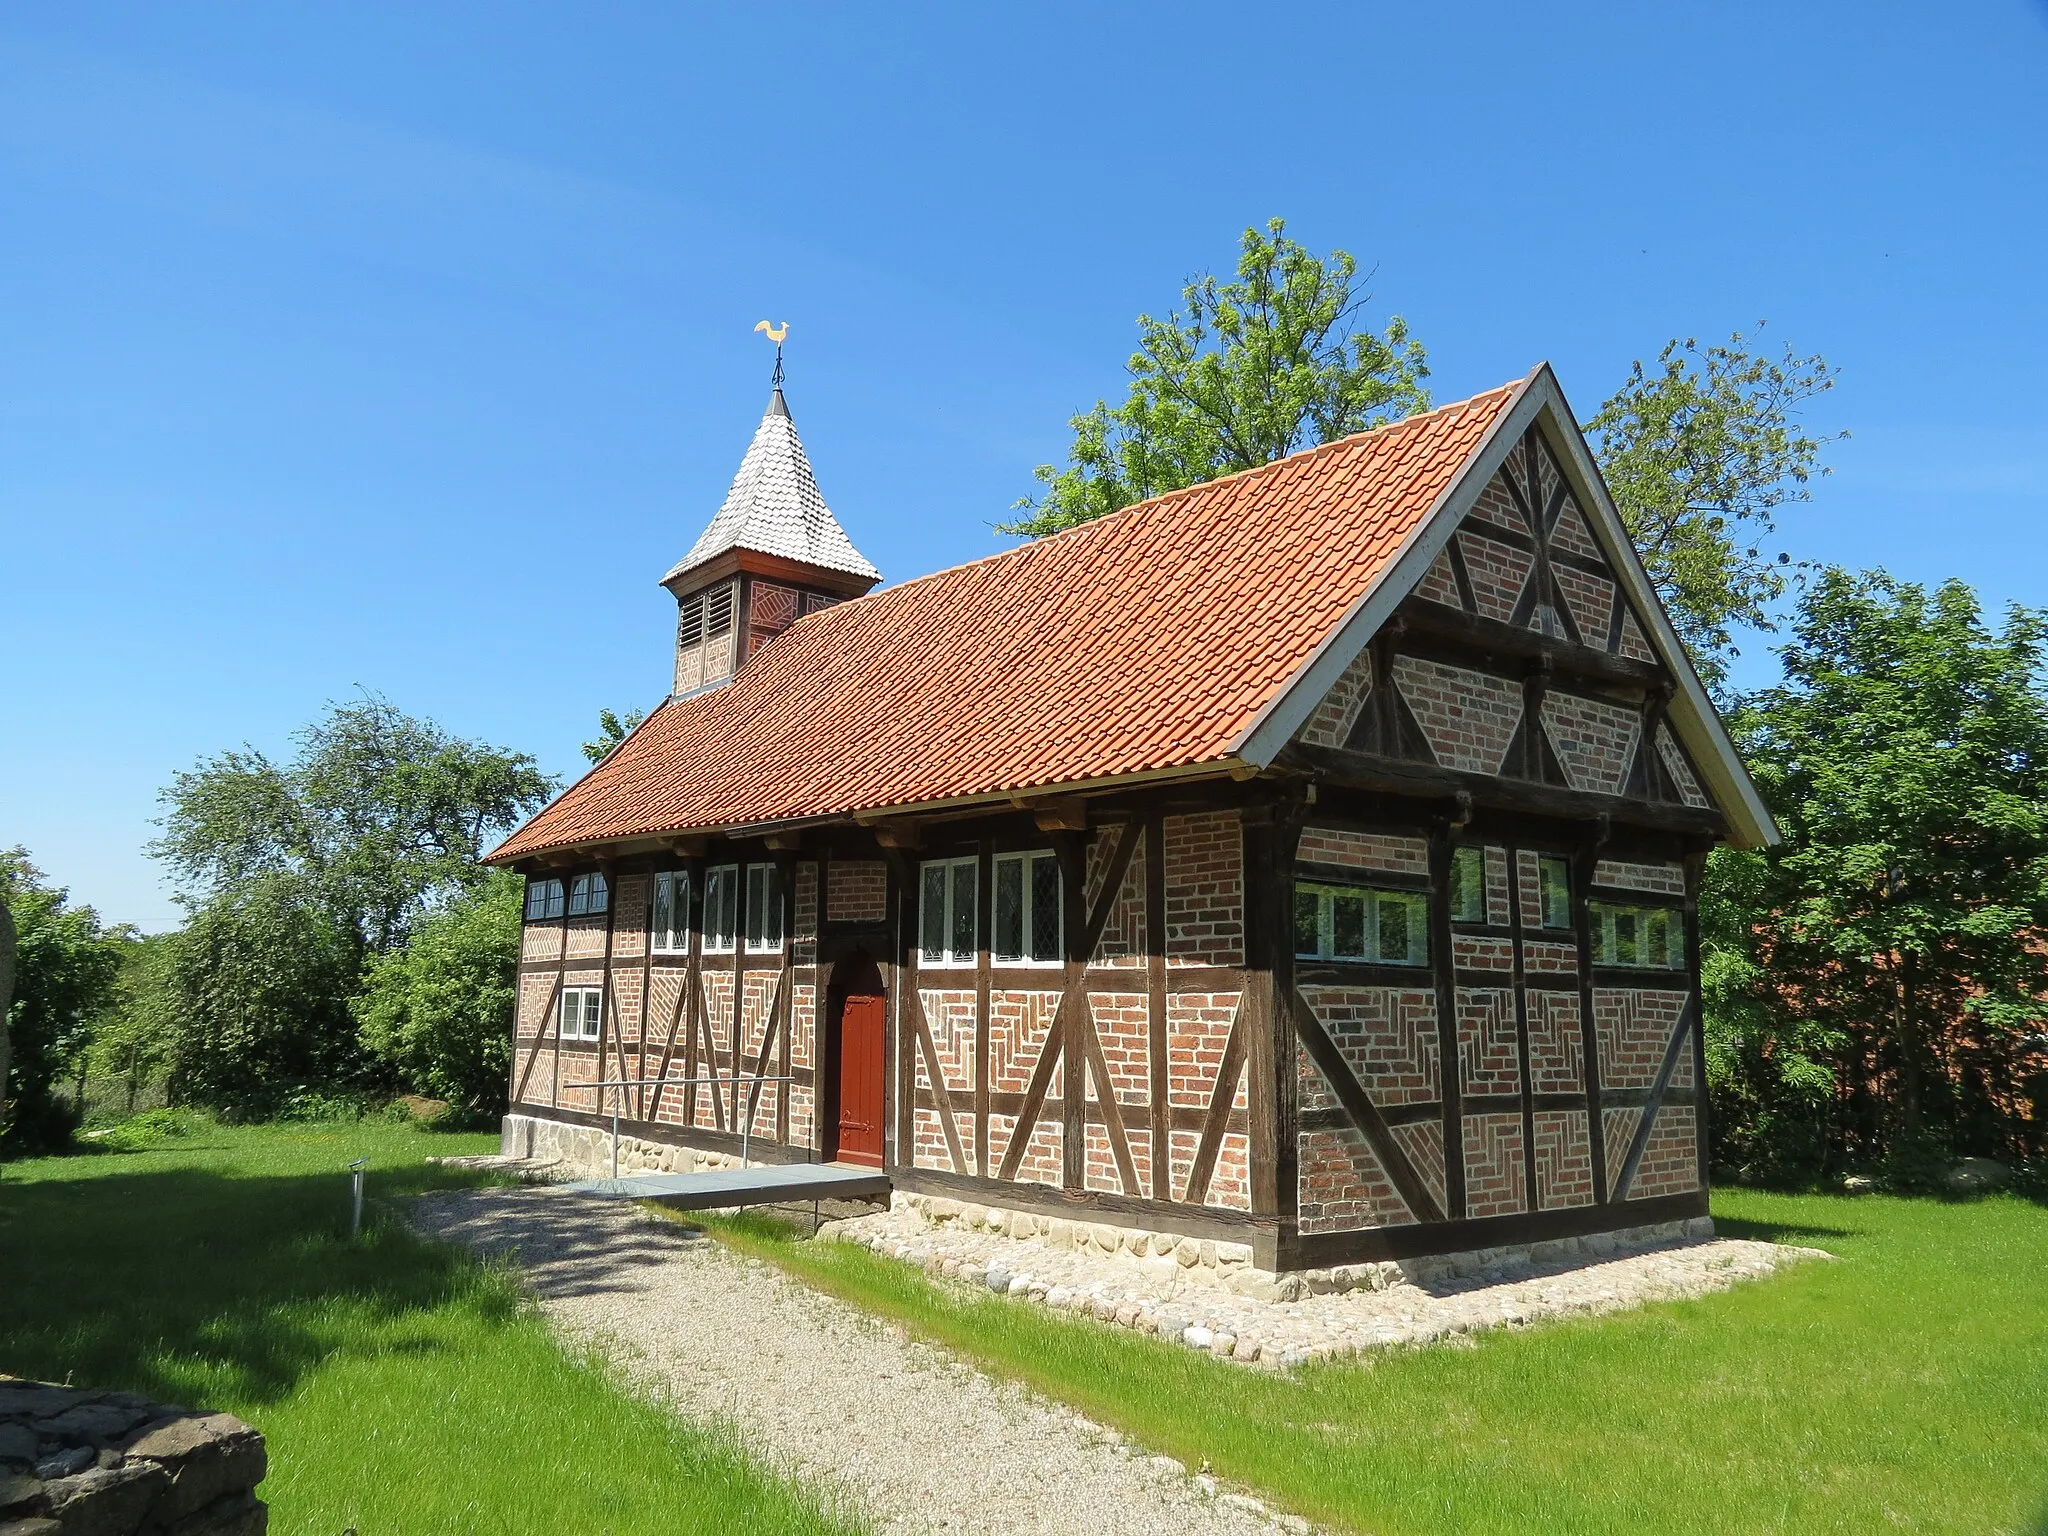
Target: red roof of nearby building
(1146, 641)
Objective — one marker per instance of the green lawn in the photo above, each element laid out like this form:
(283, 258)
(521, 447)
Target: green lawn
(1903, 1387)
(401, 1388)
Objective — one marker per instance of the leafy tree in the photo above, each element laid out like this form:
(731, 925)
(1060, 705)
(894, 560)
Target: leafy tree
(254, 1000)
(612, 728)
(440, 1010)
(1896, 936)
(378, 815)
(1255, 367)
(66, 970)
(1700, 451)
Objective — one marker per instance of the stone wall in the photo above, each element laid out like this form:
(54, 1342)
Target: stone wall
(115, 1464)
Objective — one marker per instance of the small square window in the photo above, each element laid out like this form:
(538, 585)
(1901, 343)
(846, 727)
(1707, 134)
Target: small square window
(669, 922)
(764, 907)
(721, 908)
(587, 894)
(1647, 938)
(1468, 885)
(946, 913)
(581, 1012)
(543, 900)
(1554, 888)
(1027, 902)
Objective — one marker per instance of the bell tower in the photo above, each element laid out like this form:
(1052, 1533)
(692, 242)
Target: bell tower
(773, 553)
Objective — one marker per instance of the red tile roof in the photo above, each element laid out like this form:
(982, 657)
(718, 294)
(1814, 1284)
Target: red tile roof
(1148, 640)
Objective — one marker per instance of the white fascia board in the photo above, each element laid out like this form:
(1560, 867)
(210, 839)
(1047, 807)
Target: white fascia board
(1262, 740)
(1692, 714)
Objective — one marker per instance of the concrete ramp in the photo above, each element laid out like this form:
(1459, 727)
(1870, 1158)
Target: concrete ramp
(717, 1188)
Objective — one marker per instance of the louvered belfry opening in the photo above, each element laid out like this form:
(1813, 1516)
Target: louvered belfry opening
(773, 553)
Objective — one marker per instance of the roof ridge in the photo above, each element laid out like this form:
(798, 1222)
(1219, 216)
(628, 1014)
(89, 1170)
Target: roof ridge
(1236, 474)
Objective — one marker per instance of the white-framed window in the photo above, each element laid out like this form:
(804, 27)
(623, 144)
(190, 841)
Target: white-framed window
(581, 1009)
(721, 908)
(1651, 937)
(669, 921)
(588, 893)
(543, 899)
(1359, 922)
(947, 914)
(1554, 891)
(1467, 895)
(764, 907)
(1028, 912)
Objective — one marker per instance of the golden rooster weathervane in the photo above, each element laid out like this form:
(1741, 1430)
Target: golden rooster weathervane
(774, 333)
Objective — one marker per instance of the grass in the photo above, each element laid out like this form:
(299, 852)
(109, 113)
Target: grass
(401, 1387)
(1903, 1387)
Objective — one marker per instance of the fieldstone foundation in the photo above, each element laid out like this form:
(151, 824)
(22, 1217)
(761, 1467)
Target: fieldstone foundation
(566, 1151)
(80, 1463)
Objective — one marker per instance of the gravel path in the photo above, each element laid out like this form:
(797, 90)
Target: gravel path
(918, 1440)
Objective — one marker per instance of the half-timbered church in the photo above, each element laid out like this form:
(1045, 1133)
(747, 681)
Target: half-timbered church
(1307, 859)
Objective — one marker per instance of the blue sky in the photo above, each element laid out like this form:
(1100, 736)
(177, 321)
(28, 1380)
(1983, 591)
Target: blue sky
(405, 347)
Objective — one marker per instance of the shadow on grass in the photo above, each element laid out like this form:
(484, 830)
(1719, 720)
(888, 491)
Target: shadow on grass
(184, 1283)
(1777, 1231)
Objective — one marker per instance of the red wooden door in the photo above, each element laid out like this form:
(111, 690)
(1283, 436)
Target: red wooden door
(860, 1081)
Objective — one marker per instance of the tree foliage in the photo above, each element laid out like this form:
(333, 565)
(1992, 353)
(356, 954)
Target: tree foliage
(440, 1010)
(1883, 971)
(1701, 451)
(254, 1000)
(612, 728)
(378, 815)
(67, 966)
(1250, 369)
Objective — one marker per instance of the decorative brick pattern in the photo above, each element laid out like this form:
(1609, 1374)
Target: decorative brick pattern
(1098, 1167)
(1363, 850)
(1489, 1055)
(1468, 718)
(1197, 1028)
(1424, 1145)
(803, 1116)
(1204, 889)
(758, 1016)
(1680, 770)
(1019, 1024)
(1123, 937)
(1123, 1023)
(950, 1018)
(629, 929)
(541, 941)
(1635, 1025)
(586, 937)
(804, 930)
(1439, 583)
(1497, 505)
(1595, 741)
(1497, 887)
(1041, 1163)
(1591, 600)
(857, 891)
(1493, 1165)
(1556, 1046)
(1633, 645)
(1498, 572)
(1342, 1186)
(1670, 1164)
(1570, 532)
(1621, 1130)
(1660, 879)
(1530, 894)
(1470, 952)
(1230, 1183)
(1331, 722)
(718, 1023)
(1544, 957)
(1388, 1037)
(803, 1026)
(928, 1142)
(1564, 1160)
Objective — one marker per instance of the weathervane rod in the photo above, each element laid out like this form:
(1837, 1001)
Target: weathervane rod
(774, 333)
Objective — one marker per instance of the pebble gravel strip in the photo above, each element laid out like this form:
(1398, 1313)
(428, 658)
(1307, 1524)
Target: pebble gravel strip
(1185, 1298)
(915, 1440)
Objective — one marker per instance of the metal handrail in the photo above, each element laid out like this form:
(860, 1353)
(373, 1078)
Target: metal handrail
(746, 1128)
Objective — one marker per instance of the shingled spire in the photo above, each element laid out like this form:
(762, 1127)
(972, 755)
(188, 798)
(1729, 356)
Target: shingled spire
(773, 553)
